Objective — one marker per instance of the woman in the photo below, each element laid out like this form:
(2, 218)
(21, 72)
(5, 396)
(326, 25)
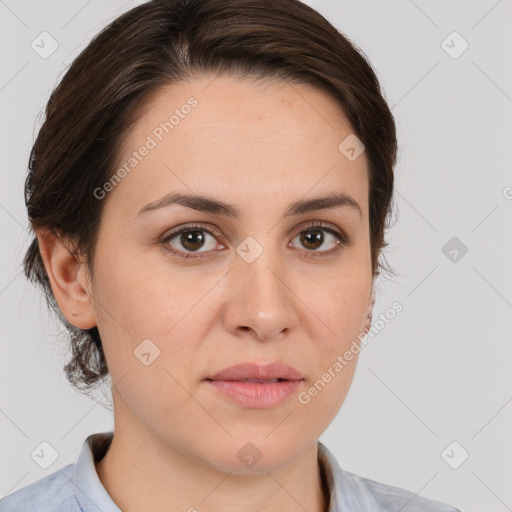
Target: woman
(209, 195)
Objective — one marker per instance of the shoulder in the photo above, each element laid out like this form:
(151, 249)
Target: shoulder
(53, 492)
(350, 492)
(390, 498)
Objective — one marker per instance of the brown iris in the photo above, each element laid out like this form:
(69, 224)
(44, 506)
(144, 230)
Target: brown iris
(192, 240)
(311, 237)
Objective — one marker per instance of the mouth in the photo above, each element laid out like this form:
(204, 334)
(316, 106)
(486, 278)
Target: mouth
(255, 393)
(253, 372)
(262, 381)
(254, 386)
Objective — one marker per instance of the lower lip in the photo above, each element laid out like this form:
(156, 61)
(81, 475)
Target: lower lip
(256, 395)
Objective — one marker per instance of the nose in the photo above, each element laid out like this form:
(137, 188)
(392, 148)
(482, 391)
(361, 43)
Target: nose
(261, 301)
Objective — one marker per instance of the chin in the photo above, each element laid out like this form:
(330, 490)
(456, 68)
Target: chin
(256, 454)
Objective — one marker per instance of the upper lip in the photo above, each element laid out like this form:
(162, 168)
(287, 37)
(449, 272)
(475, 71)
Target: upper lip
(275, 370)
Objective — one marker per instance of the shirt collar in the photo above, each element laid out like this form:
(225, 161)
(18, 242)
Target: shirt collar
(347, 491)
(89, 490)
(92, 496)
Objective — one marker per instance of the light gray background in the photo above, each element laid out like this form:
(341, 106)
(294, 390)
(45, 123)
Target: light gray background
(441, 370)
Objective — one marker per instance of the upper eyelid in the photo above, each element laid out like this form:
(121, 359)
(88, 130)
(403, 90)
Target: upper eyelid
(189, 227)
(213, 230)
(339, 233)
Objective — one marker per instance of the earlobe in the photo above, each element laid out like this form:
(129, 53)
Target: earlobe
(68, 278)
(369, 312)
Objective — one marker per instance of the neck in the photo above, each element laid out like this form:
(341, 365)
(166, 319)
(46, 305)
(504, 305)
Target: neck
(140, 473)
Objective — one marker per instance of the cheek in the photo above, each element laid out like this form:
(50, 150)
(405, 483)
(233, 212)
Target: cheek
(320, 401)
(146, 345)
(341, 308)
(143, 309)
(135, 295)
(341, 304)
(339, 293)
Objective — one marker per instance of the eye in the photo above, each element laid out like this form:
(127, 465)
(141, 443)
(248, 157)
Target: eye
(191, 238)
(314, 237)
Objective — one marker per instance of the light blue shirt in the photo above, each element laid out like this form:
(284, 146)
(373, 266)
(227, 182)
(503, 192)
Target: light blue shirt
(77, 488)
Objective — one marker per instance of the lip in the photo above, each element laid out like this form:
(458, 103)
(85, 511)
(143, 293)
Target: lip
(274, 370)
(257, 395)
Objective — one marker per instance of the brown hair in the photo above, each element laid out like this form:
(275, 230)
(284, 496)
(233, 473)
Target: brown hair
(161, 42)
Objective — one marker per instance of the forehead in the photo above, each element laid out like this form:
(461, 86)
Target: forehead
(232, 135)
(225, 102)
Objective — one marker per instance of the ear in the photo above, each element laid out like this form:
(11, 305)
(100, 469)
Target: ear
(69, 279)
(368, 320)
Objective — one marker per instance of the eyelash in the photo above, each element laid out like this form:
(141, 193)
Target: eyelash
(341, 237)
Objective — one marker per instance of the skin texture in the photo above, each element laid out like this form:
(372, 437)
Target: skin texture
(259, 146)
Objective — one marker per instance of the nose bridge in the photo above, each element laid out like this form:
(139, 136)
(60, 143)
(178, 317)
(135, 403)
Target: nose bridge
(262, 298)
(261, 269)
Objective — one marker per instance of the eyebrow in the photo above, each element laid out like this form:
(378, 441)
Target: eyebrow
(210, 205)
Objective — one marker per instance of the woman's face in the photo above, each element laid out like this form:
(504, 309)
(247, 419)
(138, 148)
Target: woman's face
(273, 283)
